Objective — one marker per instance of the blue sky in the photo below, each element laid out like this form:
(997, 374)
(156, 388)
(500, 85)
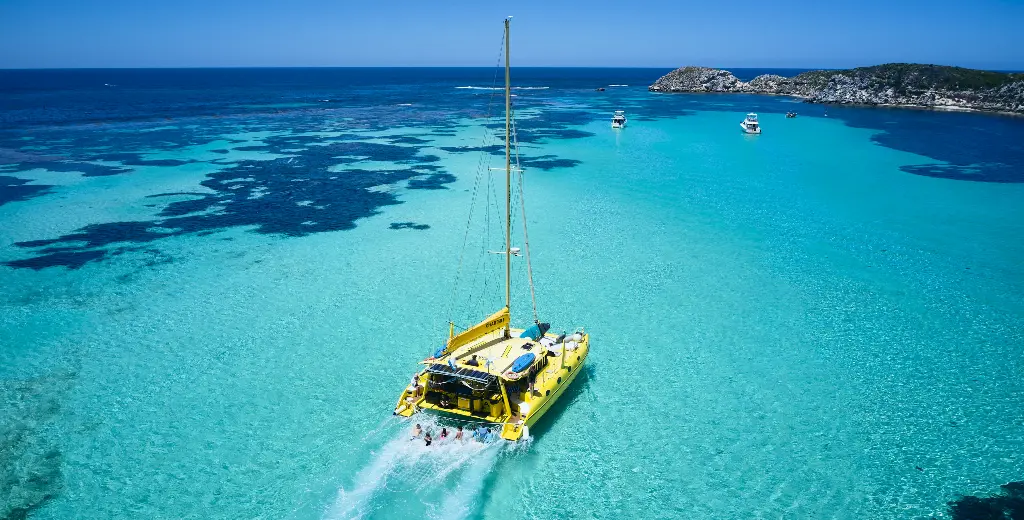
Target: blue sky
(639, 33)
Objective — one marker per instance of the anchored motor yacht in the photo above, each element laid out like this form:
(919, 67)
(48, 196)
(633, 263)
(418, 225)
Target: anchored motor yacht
(750, 124)
(619, 119)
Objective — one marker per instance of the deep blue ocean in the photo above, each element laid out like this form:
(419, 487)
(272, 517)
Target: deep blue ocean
(217, 281)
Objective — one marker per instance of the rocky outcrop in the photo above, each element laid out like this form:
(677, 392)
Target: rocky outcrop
(697, 79)
(767, 83)
(896, 84)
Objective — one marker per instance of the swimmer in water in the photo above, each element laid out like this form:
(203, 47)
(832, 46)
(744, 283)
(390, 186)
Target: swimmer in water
(416, 431)
(458, 434)
(428, 440)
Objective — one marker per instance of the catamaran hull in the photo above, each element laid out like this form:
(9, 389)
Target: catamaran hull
(513, 432)
(554, 385)
(534, 417)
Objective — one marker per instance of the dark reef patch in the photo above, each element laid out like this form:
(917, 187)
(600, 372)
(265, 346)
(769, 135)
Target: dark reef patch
(377, 152)
(407, 139)
(30, 459)
(317, 183)
(435, 181)
(540, 162)
(547, 162)
(408, 225)
(135, 159)
(86, 169)
(553, 124)
(969, 146)
(13, 189)
(967, 172)
(253, 148)
(1009, 505)
(10, 156)
(290, 196)
(55, 257)
(494, 149)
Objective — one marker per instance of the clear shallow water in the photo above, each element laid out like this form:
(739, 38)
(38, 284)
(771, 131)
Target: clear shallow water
(215, 283)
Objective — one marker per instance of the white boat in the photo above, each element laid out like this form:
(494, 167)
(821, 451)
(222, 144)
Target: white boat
(619, 119)
(750, 124)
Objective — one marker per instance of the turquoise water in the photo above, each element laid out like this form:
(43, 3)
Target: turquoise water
(783, 326)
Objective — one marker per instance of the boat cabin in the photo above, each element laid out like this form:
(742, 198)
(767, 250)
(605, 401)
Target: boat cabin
(750, 124)
(478, 381)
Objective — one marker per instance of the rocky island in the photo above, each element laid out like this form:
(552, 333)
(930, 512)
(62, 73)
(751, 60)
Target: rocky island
(894, 84)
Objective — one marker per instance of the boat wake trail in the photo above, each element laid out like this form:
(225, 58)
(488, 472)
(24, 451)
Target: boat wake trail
(407, 479)
(461, 501)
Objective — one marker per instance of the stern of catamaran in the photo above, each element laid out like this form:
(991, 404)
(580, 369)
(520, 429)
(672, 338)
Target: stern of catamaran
(507, 381)
(462, 377)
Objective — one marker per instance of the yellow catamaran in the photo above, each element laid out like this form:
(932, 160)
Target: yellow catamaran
(492, 373)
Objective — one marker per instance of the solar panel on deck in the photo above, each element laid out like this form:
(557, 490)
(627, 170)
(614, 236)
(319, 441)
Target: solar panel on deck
(461, 373)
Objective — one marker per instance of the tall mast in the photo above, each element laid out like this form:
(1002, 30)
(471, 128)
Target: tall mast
(508, 184)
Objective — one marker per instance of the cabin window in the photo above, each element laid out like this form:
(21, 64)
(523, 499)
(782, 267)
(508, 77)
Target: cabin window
(559, 380)
(547, 393)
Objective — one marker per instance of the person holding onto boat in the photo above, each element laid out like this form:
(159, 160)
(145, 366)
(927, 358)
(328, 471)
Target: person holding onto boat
(480, 434)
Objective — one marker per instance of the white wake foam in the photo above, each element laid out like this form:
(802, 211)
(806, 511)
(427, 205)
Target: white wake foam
(404, 467)
(459, 502)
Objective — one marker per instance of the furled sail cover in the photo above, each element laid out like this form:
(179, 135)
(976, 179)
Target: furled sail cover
(536, 331)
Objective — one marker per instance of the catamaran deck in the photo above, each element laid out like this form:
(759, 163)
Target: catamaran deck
(494, 354)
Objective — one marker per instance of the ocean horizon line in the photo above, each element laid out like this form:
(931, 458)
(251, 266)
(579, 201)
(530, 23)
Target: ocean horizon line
(463, 67)
(262, 67)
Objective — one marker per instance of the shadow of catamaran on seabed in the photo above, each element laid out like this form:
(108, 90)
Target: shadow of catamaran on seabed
(1006, 506)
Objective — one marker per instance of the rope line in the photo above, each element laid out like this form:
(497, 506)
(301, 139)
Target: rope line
(526, 236)
(481, 168)
(488, 186)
